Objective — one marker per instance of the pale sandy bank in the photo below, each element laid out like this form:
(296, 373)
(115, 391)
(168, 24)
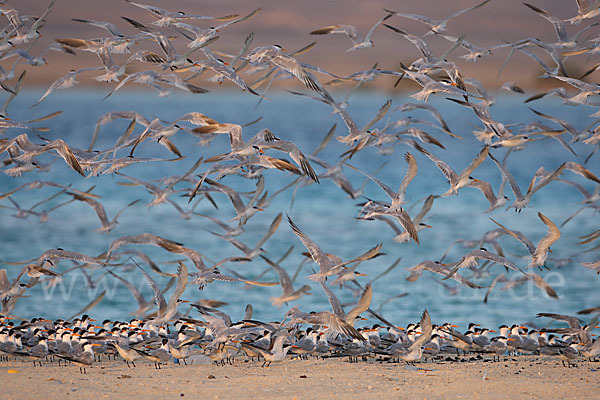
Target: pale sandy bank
(526, 378)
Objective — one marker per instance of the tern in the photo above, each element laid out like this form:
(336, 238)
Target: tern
(289, 294)
(351, 32)
(436, 26)
(456, 181)
(275, 55)
(539, 254)
(166, 18)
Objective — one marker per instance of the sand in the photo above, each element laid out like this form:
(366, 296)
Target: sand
(522, 377)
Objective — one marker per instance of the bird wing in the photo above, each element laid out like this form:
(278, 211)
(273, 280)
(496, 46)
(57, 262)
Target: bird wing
(476, 162)
(234, 197)
(426, 329)
(315, 251)
(159, 299)
(511, 180)
(547, 179)
(182, 280)
(272, 229)
(415, 40)
(335, 323)
(411, 172)
(388, 190)
(402, 216)
(284, 277)
(338, 310)
(466, 10)
(559, 24)
(363, 304)
(552, 236)
(542, 284)
(573, 322)
(445, 168)
(136, 293)
(349, 30)
(517, 235)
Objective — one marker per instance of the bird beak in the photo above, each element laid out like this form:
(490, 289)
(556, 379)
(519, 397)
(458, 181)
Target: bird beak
(492, 331)
(455, 326)
(225, 63)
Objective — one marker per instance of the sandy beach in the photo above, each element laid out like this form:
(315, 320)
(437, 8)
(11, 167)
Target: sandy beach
(523, 377)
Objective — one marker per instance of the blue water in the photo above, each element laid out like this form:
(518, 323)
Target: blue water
(323, 212)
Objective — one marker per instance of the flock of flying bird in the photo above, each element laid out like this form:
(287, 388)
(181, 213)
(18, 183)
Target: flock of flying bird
(169, 333)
